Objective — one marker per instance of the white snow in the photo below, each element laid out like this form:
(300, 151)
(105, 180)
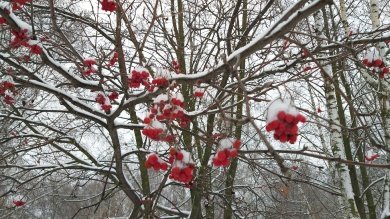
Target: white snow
(226, 143)
(279, 105)
(161, 97)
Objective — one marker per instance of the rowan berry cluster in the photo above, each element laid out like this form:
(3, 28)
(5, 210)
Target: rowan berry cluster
(104, 102)
(175, 66)
(89, 66)
(21, 38)
(376, 64)
(139, 76)
(113, 59)
(108, 5)
(370, 155)
(18, 203)
(155, 162)
(283, 119)
(18, 4)
(182, 166)
(161, 79)
(168, 108)
(198, 92)
(228, 149)
(154, 130)
(7, 91)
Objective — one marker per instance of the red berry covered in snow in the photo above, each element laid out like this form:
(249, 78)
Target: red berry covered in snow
(139, 76)
(113, 59)
(155, 162)
(371, 156)
(283, 119)
(7, 91)
(154, 130)
(113, 96)
(169, 108)
(227, 149)
(182, 169)
(36, 49)
(198, 92)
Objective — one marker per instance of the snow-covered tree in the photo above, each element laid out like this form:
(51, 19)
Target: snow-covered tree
(215, 109)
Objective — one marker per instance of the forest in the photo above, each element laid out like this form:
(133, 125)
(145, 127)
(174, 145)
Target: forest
(195, 109)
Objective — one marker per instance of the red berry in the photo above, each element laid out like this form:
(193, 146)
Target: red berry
(289, 118)
(147, 120)
(175, 171)
(171, 159)
(179, 156)
(221, 155)
(272, 125)
(377, 63)
(188, 171)
(283, 138)
(301, 118)
(281, 115)
(153, 159)
(172, 151)
(164, 166)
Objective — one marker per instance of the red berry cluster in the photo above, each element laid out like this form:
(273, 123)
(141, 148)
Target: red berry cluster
(18, 4)
(198, 93)
(113, 59)
(104, 102)
(175, 66)
(154, 130)
(108, 5)
(227, 150)
(2, 21)
(88, 66)
(285, 126)
(22, 38)
(167, 108)
(139, 77)
(160, 82)
(377, 65)
(7, 91)
(18, 203)
(113, 96)
(370, 156)
(155, 162)
(183, 166)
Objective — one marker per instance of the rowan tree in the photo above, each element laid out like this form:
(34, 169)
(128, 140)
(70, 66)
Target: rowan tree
(198, 109)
